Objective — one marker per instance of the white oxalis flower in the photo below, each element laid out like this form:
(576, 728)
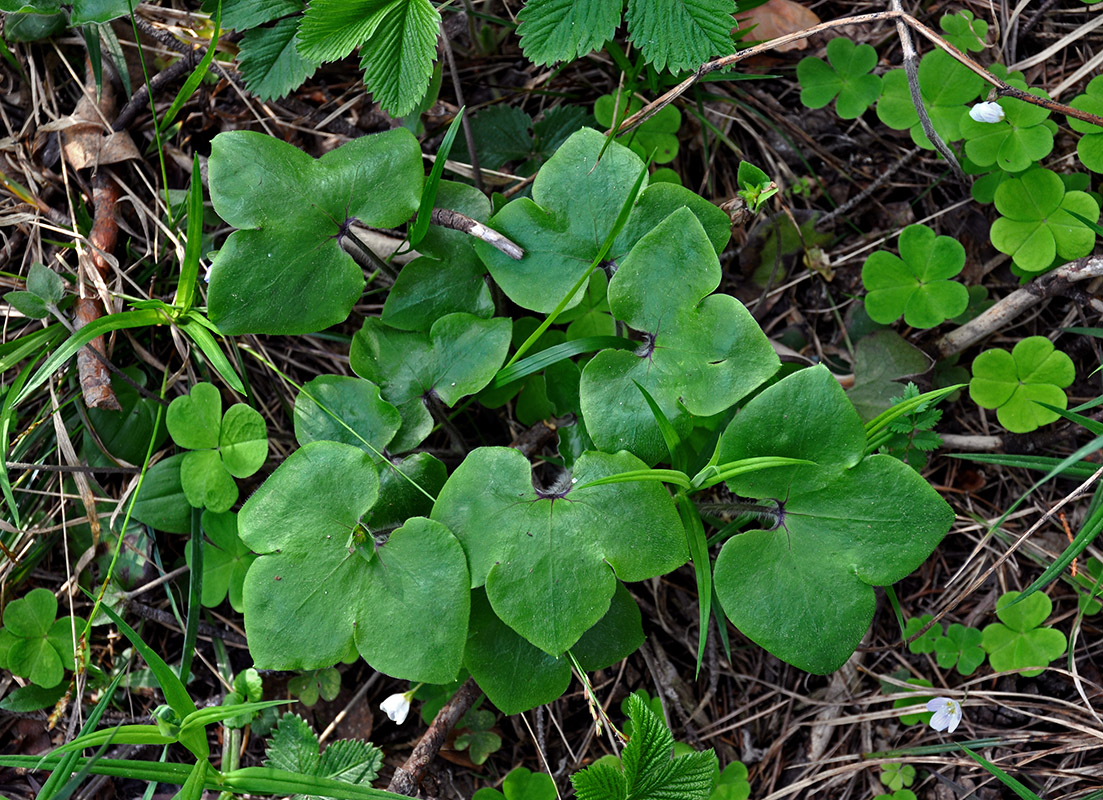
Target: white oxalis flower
(987, 112)
(397, 706)
(947, 713)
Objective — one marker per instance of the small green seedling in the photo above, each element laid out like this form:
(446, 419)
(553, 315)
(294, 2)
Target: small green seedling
(476, 737)
(960, 647)
(1019, 640)
(755, 186)
(848, 77)
(655, 138)
(964, 31)
(1036, 226)
(505, 134)
(732, 783)
(913, 434)
(521, 784)
(1011, 382)
(646, 761)
(34, 644)
(945, 85)
(294, 747)
(1023, 136)
(315, 683)
(925, 643)
(897, 776)
(247, 688)
(917, 284)
(222, 447)
(1090, 146)
(900, 794)
(919, 702)
(45, 289)
(226, 559)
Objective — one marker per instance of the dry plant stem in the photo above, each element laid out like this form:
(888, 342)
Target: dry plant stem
(911, 70)
(466, 121)
(447, 218)
(95, 377)
(1002, 313)
(881, 180)
(1002, 88)
(408, 776)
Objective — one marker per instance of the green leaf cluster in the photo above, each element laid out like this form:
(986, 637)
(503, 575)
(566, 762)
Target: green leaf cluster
(946, 87)
(1014, 383)
(1022, 137)
(33, 643)
(45, 289)
(222, 447)
(958, 647)
(1020, 640)
(916, 285)
(672, 34)
(846, 78)
(647, 771)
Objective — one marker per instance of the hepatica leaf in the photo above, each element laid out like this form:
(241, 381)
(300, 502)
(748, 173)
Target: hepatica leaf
(449, 275)
(1019, 640)
(323, 585)
(550, 561)
(337, 408)
(917, 284)
(1090, 146)
(1036, 226)
(804, 591)
(1011, 382)
(458, 357)
(226, 560)
(700, 353)
(848, 77)
(575, 201)
(284, 271)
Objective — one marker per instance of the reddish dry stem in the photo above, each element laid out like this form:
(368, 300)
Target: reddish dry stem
(95, 377)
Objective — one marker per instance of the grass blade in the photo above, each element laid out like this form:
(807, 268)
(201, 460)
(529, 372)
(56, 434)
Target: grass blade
(429, 193)
(702, 568)
(1012, 784)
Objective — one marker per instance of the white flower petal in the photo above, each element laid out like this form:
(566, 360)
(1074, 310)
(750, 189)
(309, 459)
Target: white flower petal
(397, 706)
(987, 112)
(947, 713)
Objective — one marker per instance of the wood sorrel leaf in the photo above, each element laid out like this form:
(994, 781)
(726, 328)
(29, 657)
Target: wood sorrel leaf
(700, 353)
(458, 357)
(305, 523)
(284, 271)
(576, 200)
(804, 590)
(550, 559)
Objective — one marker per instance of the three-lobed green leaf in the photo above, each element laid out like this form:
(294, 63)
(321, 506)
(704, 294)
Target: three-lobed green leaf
(1019, 640)
(1011, 382)
(847, 77)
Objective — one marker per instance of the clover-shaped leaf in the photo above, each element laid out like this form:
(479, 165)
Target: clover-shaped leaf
(945, 86)
(1011, 382)
(576, 199)
(1018, 640)
(701, 352)
(925, 643)
(449, 275)
(1014, 142)
(897, 776)
(478, 740)
(911, 699)
(732, 783)
(1090, 146)
(222, 447)
(964, 31)
(1037, 226)
(550, 560)
(457, 357)
(918, 283)
(315, 683)
(38, 647)
(847, 524)
(284, 271)
(226, 560)
(347, 588)
(655, 138)
(847, 77)
(961, 647)
(521, 784)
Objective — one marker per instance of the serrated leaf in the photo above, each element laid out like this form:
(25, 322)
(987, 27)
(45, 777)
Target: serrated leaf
(331, 29)
(397, 58)
(563, 30)
(293, 746)
(269, 61)
(244, 14)
(502, 133)
(600, 781)
(681, 34)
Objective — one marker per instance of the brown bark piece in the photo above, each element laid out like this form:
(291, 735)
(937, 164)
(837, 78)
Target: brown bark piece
(408, 776)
